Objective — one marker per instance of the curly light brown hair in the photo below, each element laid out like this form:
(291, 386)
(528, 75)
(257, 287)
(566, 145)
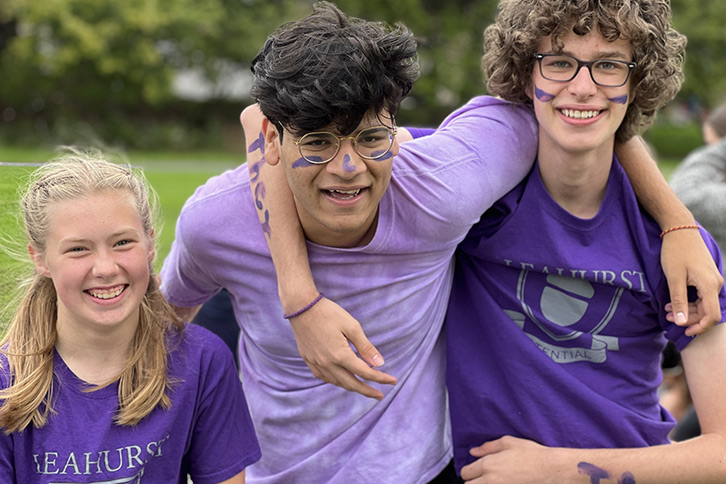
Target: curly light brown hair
(658, 49)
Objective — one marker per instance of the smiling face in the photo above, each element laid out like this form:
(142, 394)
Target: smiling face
(579, 116)
(337, 202)
(99, 257)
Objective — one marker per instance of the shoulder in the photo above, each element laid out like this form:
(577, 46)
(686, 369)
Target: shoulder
(197, 347)
(220, 188)
(218, 208)
(506, 112)
(197, 341)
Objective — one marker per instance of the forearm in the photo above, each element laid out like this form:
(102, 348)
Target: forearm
(278, 217)
(286, 241)
(697, 460)
(651, 187)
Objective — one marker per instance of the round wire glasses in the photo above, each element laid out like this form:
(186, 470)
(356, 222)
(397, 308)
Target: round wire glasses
(322, 146)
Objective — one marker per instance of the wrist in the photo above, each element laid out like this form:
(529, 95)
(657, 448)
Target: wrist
(294, 296)
(305, 308)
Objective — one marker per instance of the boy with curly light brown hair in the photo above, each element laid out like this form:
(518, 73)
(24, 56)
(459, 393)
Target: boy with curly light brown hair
(556, 322)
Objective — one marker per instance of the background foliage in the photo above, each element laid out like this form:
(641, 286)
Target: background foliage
(90, 71)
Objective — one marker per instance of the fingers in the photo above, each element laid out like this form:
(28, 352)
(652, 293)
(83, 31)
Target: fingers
(694, 314)
(365, 348)
(475, 469)
(709, 299)
(324, 335)
(346, 370)
(346, 379)
(678, 288)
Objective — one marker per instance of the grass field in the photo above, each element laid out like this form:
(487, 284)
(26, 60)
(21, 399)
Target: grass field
(174, 176)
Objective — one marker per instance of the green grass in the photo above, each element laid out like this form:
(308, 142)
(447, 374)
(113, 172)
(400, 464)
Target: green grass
(174, 176)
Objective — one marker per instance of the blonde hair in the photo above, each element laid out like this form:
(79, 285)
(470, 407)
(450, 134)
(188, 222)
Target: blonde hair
(659, 50)
(30, 341)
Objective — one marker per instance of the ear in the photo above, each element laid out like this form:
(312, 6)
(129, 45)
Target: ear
(396, 145)
(272, 142)
(39, 261)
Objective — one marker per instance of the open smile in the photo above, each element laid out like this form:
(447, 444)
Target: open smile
(577, 114)
(108, 293)
(343, 194)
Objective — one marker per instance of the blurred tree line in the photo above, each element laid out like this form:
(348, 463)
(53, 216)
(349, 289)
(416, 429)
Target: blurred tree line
(104, 70)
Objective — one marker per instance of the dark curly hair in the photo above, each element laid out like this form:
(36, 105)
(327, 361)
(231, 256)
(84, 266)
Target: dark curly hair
(658, 49)
(329, 69)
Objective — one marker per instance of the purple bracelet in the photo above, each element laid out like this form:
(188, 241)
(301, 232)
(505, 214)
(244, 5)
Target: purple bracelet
(298, 313)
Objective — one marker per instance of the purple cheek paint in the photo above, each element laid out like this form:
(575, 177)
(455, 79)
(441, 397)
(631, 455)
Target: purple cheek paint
(387, 156)
(259, 194)
(258, 144)
(619, 99)
(303, 163)
(543, 96)
(347, 164)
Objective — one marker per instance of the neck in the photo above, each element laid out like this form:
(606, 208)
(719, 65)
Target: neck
(95, 358)
(576, 181)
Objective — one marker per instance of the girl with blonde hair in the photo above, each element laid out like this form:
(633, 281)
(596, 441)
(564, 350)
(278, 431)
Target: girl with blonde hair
(101, 382)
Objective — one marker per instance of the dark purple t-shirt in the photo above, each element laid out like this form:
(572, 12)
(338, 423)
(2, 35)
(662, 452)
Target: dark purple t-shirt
(207, 433)
(556, 324)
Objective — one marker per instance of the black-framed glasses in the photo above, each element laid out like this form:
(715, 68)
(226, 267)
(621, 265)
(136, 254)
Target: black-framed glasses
(603, 72)
(371, 143)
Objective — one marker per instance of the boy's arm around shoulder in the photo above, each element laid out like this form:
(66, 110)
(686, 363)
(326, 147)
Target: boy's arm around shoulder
(685, 258)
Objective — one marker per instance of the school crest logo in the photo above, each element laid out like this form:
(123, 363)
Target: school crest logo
(562, 316)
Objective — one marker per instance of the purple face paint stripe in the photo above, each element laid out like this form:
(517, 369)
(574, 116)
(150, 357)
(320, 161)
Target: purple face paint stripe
(593, 471)
(387, 156)
(620, 99)
(266, 225)
(543, 96)
(347, 165)
(259, 195)
(258, 144)
(303, 163)
(255, 169)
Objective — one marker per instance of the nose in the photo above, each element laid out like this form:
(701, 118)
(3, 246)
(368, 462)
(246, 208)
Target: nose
(104, 264)
(347, 163)
(582, 83)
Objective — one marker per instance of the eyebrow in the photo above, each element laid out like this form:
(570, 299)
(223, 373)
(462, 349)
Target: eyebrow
(119, 233)
(610, 54)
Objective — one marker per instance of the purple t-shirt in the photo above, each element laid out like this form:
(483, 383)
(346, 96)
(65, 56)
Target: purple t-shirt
(556, 324)
(207, 432)
(397, 286)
